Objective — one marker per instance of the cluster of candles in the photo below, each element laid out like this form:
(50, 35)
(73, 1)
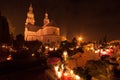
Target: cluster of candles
(63, 72)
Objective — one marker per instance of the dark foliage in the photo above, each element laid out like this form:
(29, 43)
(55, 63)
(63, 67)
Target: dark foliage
(4, 30)
(33, 45)
(19, 42)
(20, 54)
(64, 45)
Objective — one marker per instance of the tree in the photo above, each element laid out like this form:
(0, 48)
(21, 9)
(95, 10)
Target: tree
(97, 69)
(18, 43)
(74, 42)
(4, 30)
(11, 29)
(64, 45)
(33, 45)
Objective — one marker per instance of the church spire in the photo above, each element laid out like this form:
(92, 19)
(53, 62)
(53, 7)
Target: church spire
(30, 16)
(46, 19)
(31, 8)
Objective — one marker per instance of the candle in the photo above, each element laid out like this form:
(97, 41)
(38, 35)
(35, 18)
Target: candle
(59, 74)
(77, 77)
(65, 76)
(71, 72)
(65, 55)
(62, 66)
(56, 69)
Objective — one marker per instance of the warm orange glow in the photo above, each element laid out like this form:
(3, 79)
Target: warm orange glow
(65, 74)
(77, 77)
(51, 49)
(71, 72)
(46, 47)
(56, 69)
(65, 54)
(64, 38)
(80, 39)
(33, 54)
(9, 57)
(59, 74)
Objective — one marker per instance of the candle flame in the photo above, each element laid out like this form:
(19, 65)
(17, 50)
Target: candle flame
(59, 74)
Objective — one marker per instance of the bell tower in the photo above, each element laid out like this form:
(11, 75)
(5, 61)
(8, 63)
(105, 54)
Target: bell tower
(46, 20)
(30, 16)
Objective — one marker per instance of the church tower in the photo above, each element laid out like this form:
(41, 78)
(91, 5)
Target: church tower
(30, 16)
(46, 20)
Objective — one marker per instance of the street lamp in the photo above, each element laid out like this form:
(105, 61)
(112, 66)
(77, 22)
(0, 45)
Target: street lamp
(79, 40)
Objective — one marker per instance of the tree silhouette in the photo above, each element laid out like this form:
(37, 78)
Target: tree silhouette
(4, 30)
(74, 42)
(11, 28)
(18, 43)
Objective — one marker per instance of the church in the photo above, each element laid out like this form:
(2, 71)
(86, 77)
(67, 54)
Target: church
(49, 33)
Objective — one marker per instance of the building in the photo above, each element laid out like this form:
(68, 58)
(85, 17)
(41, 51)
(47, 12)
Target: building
(49, 33)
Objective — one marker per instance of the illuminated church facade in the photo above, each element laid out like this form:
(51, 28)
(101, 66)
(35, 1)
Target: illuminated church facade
(49, 33)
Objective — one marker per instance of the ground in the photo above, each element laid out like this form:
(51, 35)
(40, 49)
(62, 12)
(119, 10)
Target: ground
(29, 74)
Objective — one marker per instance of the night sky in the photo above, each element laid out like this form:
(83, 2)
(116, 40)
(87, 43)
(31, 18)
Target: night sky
(92, 19)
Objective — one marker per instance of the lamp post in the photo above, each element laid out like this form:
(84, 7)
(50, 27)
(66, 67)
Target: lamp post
(79, 40)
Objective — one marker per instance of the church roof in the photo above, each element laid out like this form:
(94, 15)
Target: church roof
(52, 23)
(33, 27)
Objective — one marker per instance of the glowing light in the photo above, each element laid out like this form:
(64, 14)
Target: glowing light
(3, 46)
(62, 66)
(71, 49)
(107, 50)
(92, 48)
(59, 74)
(46, 47)
(65, 54)
(56, 48)
(71, 72)
(25, 47)
(65, 74)
(97, 51)
(9, 57)
(56, 69)
(77, 47)
(103, 52)
(33, 54)
(77, 77)
(64, 38)
(51, 49)
(80, 38)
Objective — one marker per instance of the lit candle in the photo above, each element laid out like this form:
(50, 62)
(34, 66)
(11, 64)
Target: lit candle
(56, 48)
(62, 66)
(33, 54)
(46, 47)
(51, 49)
(71, 72)
(56, 69)
(65, 54)
(66, 76)
(77, 77)
(59, 74)
(9, 57)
